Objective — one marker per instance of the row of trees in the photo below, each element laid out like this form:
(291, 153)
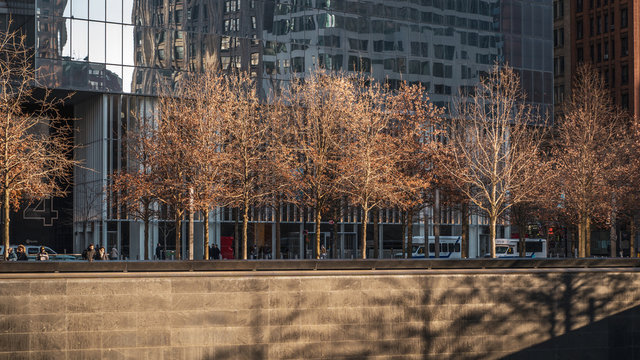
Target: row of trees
(332, 139)
(327, 138)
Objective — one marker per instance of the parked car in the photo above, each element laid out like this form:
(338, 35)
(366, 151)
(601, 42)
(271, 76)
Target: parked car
(33, 250)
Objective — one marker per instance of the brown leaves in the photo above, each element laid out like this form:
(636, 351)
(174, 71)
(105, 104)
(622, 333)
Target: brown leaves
(35, 145)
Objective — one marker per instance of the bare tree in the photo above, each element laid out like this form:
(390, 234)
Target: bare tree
(417, 126)
(587, 151)
(496, 140)
(35, 142)
(245, 139)
(318, 113)
(367, 170)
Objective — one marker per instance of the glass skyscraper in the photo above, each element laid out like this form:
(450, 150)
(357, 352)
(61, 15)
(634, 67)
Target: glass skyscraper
(114, 53)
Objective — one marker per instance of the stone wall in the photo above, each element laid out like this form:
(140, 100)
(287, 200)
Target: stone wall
(403, 314)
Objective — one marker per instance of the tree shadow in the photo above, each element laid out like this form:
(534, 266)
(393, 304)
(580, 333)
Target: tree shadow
(450, 315)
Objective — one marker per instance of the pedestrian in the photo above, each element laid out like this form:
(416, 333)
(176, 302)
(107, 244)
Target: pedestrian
(215, 252)
(22, 253)
(102, 254)
(159, 252)
(89, 254)
(42, 255)
(323, 252)
(114, 253)
(12, 255)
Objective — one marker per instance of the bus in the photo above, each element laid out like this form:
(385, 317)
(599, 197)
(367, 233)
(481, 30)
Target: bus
(510, 248)
(450, 247)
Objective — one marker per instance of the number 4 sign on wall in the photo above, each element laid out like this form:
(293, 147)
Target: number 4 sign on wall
(42, 210)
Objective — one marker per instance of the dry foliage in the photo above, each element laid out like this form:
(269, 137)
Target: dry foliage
(590, 155)
(245, 139)
(496, 143)
(318, 111)
(35, 141)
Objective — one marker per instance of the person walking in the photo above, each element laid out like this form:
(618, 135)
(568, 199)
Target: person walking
(114, 253)
(102, 254)
(22, 253)
(12, 255)
(215, 252)
(42, 255)
(159, 252)
(89, 254)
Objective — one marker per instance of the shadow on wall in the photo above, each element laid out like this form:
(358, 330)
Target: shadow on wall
(455, 316)
(614, 337)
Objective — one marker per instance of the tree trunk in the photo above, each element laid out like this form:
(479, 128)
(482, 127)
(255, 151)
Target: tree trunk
(363, 242)
(317, 242)
(464, 247)
(376, 234)
(436, 226)
(178, 223)
(403, 233)
(493, 219)
(5, 214)
(632, 236)
(521, 241)
(277, 225)
(410, 234)
(334, 236)
(206, 234)
(581, 241)
(147, 250)
(190, 245)
(612, 235)
(236, 233)
(245, 226)
(588, 237)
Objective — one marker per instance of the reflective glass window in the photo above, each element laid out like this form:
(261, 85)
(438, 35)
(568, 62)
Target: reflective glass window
(97, 43)
(127, 11)
(79, 40)
(96, 9)
(128, 45)
(80, 9)
(114, 11)
(114, 43)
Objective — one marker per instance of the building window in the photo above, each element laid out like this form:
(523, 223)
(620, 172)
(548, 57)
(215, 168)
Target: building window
(558, 94)
(578, 5)
(179, 51)
(558, 37)
(613, 49)
(591, 26)
(580, 54)
(579, 29)
(624, 74)
(558, 9)
(558, 65)
(624, 45)
(255, 59)
(624, 18)
(605, 50)
(624, 101)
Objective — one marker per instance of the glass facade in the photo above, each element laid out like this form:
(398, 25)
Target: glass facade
(120, 50)
(127, 46)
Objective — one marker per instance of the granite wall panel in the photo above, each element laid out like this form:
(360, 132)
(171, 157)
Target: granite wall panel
(283, 316)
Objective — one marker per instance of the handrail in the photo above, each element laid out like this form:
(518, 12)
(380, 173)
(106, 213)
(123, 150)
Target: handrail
(308, 265)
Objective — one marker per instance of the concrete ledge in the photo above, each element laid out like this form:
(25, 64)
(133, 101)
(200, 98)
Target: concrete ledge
(307, 265)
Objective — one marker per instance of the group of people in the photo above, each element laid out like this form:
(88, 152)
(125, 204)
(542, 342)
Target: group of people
(21, 253)
(91, 254)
